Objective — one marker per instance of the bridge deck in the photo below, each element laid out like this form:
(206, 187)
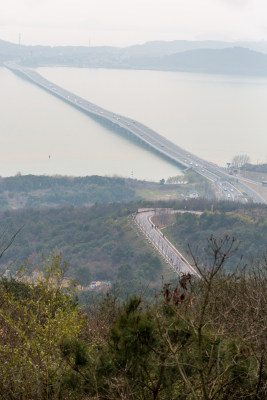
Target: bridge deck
(143, 134)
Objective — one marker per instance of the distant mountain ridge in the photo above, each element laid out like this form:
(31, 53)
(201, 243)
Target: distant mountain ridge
(248, 58)
(161, 48)
(237, 60)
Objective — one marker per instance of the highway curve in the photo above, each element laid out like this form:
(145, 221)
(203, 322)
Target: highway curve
(179, 264)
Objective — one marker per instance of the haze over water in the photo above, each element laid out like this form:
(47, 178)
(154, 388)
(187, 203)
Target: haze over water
(41, 134)
(215, 117)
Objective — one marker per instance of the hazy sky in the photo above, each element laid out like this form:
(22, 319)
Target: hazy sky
(125, 22)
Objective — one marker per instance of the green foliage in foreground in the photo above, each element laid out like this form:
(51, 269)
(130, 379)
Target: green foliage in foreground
(202, 339)
(34, 320)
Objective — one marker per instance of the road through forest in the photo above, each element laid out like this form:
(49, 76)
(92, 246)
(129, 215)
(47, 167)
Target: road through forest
(174, 258)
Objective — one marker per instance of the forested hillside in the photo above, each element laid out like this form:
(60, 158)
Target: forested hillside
(29, 191)
(100, 242)
(249, 227)
(33, 191)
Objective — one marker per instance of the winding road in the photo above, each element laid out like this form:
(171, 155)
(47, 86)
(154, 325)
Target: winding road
(174, 258)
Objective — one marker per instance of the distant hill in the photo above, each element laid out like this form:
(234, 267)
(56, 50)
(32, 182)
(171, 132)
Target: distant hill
(235, 60)
(161, 48)
(32, 191)
(180, 55)
(254, 167)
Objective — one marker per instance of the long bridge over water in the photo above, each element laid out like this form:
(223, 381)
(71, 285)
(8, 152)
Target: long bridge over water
(224, 183)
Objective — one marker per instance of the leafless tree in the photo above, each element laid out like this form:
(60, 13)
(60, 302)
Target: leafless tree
(239, 160)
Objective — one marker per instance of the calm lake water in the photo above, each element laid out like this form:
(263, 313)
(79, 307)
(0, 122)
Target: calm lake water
(215, 117)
